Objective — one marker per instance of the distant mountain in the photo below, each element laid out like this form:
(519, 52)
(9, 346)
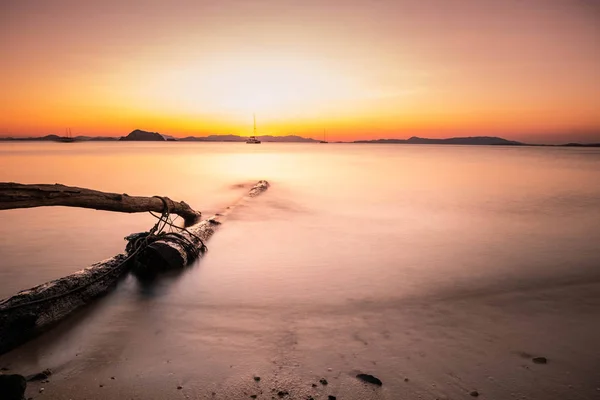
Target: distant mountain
(474, 140)
(140, 135)
(581, 145)
(143, 136)
(236, 138)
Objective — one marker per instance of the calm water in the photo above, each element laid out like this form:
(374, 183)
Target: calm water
(435, 262)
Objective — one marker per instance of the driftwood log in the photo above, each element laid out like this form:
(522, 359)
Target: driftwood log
(17, 195)
(31, 312)
(168, 254)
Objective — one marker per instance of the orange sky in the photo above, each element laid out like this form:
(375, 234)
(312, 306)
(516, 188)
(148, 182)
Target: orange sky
(520, 69)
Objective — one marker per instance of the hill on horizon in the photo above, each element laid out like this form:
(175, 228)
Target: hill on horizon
(468, 140)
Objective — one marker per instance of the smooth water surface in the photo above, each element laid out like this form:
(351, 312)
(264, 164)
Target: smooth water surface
(443, 263)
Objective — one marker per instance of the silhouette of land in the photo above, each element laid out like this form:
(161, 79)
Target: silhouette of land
(139, 135)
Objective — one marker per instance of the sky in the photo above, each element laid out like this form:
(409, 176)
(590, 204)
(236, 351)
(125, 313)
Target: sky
(361, 69)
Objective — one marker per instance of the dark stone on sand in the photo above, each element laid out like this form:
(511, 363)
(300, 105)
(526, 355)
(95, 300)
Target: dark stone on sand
(12, 387)
(330, 397)
(314, 385)
(253, 396)
(405, 379)
(40, 375)
(323, 381)
(257, 378)
(474, 393)
(101, 385)
(540, 360)
(282, 393)
(369, 379)
(179, 387)
(112, 377)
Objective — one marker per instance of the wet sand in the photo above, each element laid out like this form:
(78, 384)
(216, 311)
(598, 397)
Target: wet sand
(429, 348)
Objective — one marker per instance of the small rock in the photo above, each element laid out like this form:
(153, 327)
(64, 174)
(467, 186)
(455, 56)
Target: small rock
(257, 378)
(101, 385)
(253, 396)
(3, 369)
(323, 381)
(329, 369)
(474, 393)
(369, 379)
(314, 385)
(40, 376)
(179, 387)
(41, 390)
(282, 393)
(330, 397)
(405, 379)
(112, 377)
(540, 360)
(12, 387)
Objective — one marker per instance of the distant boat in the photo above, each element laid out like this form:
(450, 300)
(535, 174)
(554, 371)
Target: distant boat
(68, 138)
(253, 139)
(324, 137)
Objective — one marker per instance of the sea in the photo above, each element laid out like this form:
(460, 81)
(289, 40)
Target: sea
(442, 270)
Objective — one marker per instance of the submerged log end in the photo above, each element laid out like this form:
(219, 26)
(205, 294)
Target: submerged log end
(257, 189)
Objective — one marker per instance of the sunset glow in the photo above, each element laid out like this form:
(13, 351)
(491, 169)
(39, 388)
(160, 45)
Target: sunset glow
(524, 70)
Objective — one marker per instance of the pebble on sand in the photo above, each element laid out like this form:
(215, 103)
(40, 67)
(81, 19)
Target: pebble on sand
(323, 381)
(257, 378)
(369, 379)
(179, 387)
(474, 393)
(330, 397)
(540, 360)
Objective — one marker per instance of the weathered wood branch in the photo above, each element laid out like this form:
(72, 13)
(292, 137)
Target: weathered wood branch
(31, 312)
(176, 253)
(17, 195)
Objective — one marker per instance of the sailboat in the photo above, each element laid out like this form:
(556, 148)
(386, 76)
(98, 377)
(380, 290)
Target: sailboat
(324, 137)
(253, 139)
(68, 138)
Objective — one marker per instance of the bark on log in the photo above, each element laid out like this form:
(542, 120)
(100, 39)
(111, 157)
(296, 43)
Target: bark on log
(31, 312)
(17, 195)
(167, 254)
